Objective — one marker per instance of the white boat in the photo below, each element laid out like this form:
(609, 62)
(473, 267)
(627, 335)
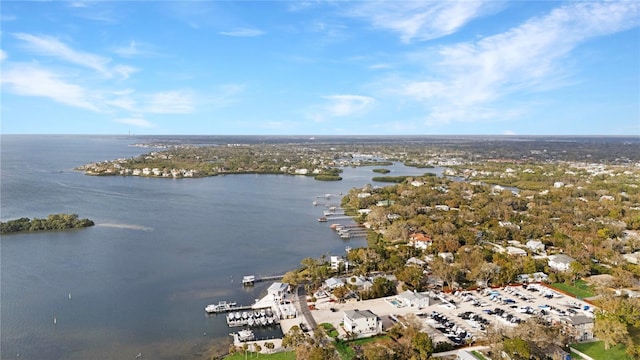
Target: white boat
(263, 321)
(245, 335)
(219, 307)
(245, 315)
(250, 321)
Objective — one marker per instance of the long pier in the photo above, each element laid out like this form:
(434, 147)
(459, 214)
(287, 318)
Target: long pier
(224, 309)
(251, 279)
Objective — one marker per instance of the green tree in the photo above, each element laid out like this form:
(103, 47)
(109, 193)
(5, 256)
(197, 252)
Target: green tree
(422, 345)
(610, 329)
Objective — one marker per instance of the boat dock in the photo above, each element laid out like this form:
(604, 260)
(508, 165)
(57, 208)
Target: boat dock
(249, 280)
(223, 309)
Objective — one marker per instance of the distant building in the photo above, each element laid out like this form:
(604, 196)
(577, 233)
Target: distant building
(362, 323)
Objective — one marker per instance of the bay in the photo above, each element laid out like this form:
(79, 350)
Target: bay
(162, 249)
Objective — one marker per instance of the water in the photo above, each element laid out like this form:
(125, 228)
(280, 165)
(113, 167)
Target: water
(162, 249)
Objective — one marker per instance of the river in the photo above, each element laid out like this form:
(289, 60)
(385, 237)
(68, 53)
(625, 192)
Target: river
(161, 250)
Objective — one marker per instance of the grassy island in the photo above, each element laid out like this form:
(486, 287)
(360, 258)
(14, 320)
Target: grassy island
(52, 222)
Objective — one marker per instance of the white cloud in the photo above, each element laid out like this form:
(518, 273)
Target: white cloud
(31, 80)
(421, 20)
(473, 76)
(138, 122)
(242, 32)
(3, 55)
(49, 46)
(128, 51)
(170, 102)
(346, 105)
(380, 66)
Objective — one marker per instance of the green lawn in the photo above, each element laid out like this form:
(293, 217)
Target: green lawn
(596, 350)
(346, 351)
(580, 290)
(287, 355)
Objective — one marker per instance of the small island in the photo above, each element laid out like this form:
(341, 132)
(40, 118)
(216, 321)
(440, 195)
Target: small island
(52, 222)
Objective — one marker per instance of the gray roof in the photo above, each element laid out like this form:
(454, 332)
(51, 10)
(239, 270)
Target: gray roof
(359, 314)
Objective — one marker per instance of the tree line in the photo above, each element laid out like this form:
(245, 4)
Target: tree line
(52, 222)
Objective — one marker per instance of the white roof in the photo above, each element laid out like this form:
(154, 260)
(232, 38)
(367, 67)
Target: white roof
(561, 259)
(333, 282)
(278, 287)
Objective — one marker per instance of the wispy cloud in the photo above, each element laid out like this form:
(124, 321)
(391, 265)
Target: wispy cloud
(49, 46)
(137, 122)
(242, 32)
(473, 76)
(341, 106)
(421, 20)
(170, 102)
(31, 80)
(345, 105)
(3, 55)
(134, 49)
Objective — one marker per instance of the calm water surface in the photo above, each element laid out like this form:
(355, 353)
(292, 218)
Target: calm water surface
(162, 249)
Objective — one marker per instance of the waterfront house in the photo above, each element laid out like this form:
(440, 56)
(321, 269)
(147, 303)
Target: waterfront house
(560, 262)
(362, 323)
(336, 261)
(277, 291)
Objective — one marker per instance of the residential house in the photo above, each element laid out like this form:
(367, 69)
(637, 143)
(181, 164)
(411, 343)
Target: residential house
(416, 262)
(560, 262)
(413, 299)
(335, 262)
(420, 241)
(362, 323)
(361, 282)
(535, 245)
(582, 327)
(333, 283)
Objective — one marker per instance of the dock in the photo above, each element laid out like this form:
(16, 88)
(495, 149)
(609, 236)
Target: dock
(231, 308)
(249, 280)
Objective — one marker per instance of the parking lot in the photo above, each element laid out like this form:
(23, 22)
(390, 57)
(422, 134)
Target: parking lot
(465, 315)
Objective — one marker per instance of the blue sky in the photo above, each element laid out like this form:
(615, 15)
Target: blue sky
(320, 67)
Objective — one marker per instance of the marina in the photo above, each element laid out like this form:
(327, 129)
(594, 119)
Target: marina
(254, 318)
